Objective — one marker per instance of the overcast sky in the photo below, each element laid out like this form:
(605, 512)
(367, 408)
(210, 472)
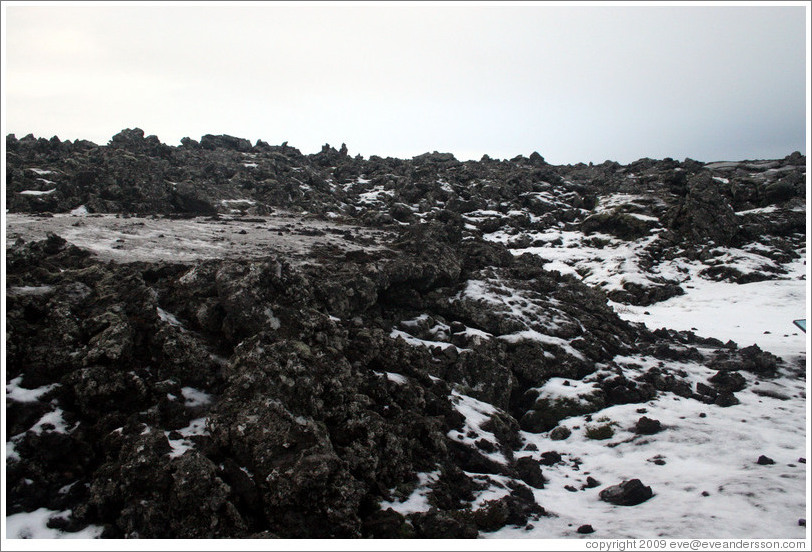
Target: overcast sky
(573, 82)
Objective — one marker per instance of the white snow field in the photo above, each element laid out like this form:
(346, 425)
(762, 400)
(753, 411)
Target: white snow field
(758, 312)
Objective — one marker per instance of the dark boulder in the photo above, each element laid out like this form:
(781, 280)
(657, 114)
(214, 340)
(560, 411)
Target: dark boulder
(529, 471)
(627, 493)
(647, 426)
(224, 141)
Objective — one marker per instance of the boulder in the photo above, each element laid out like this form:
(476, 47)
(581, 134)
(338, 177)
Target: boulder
(628, 493)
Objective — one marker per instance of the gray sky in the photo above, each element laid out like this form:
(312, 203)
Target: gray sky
(573, 82)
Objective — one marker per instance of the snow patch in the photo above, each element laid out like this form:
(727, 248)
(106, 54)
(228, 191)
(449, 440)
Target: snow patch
(194, 397)
(181, 445)
(16, 393)
(34, 525)
(169, 318)
(418, 501)
(37, 192)
(54, 420)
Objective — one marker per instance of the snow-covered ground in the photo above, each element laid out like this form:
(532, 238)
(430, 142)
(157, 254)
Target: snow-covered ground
(129, 239)
(703, 466)
(34, 525)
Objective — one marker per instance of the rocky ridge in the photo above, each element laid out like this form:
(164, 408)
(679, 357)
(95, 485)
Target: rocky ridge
(326, 397)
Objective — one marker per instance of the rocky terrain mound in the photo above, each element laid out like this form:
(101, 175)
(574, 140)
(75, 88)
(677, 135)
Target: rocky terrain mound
(353, 347)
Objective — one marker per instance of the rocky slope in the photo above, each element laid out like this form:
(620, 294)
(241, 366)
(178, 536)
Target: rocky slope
(381, 383)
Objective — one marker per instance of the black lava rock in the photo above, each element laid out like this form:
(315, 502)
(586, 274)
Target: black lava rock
(627, 493)
(647, 426)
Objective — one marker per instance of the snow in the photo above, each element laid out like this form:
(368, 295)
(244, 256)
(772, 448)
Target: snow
(273, 321)
(533, 335)
(476, 413)
(180, 240)
(11, 452)
(235, 201)
(393, 377)
(180, 446)
(29, 290)
(194, 397)
(41, 171)
(79, 211)
(16, 393)
(561, 388)
(373, 196)
(53, 418)
(610, 202)
(758, 210)
(416, 502)
(722, 165)
(758, 312)
(415, 342)
(570, 252)
(34, 525)
(716, 454)
(37, 192)
(169, 318)
(415, 322)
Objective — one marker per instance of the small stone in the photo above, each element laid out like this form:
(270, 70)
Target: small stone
(725, 399)
(802, 460)
(560, 433)
(703, 415)
(585, 529)
(529, 527)
(550, 458)
(570, 488)
(802, 522)
(764, 460)
(591, 483)
(647, 426)
(705, 493)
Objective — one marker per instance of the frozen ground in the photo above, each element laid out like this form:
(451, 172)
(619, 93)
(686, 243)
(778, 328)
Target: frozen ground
(128, 239)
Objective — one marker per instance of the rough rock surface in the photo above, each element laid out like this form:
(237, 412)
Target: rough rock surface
(390, 338)
(627, 493)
